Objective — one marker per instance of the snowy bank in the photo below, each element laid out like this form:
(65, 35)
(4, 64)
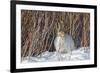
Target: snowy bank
(82, 53)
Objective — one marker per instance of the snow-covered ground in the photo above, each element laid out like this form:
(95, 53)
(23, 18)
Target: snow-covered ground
(82, 53)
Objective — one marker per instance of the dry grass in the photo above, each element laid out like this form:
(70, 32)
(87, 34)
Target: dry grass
(39, 28)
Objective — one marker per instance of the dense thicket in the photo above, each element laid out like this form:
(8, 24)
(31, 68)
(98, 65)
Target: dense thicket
(39, 28)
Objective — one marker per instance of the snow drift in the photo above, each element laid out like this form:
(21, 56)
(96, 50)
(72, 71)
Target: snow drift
(82, 53)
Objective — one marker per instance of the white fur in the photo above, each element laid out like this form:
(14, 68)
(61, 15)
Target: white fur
(64, 44)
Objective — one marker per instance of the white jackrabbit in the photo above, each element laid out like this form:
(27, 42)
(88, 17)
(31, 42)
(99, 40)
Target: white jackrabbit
(63, 43)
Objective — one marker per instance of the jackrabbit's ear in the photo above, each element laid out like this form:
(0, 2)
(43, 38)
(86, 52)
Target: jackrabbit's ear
(58, 28)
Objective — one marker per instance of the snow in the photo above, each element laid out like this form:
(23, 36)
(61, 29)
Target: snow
(82, 53)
